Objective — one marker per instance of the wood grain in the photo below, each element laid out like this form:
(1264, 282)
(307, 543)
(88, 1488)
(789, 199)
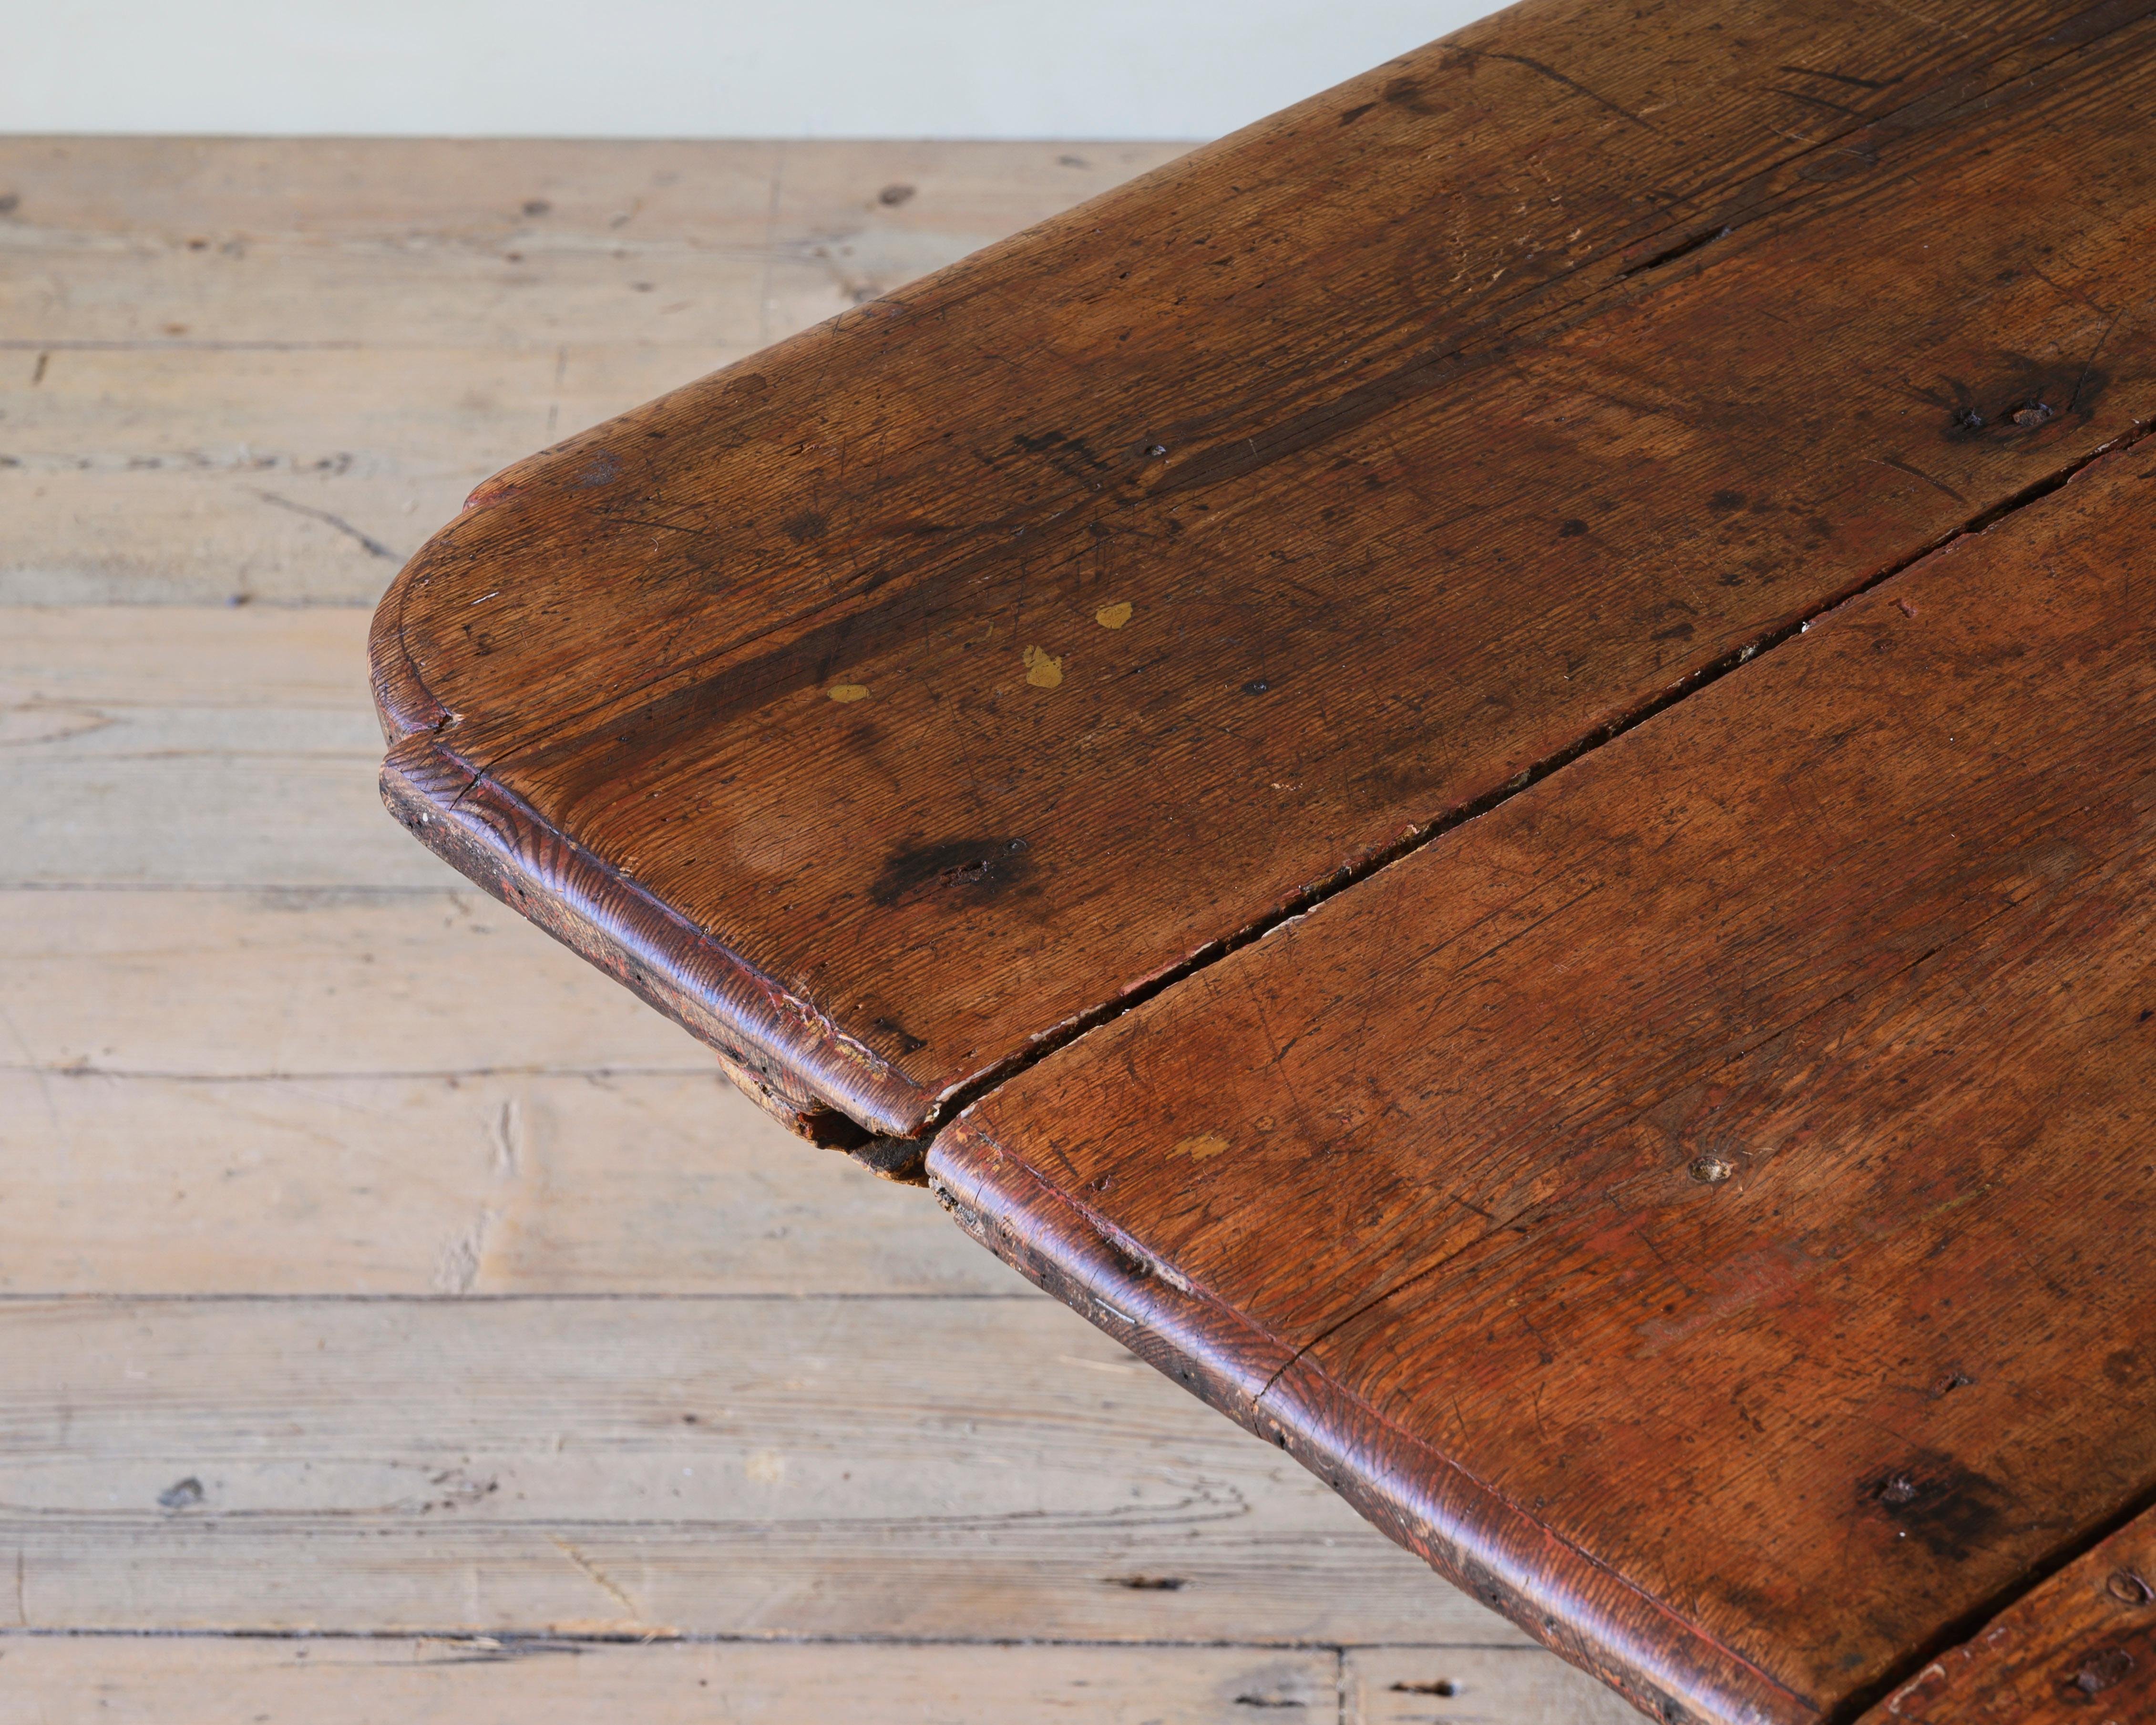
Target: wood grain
(365, 331)
(1699, 1203)
(155, 474)
(472, 1184)
(457, 1681)
(305, 985)
(222, 748)
(1471, 1686)
(280, 1090)
(2083, 1646)
(1425, 430)
(778, 1467)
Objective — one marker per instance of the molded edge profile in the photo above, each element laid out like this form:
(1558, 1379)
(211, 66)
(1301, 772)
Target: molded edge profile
(788, 1055)
(404, 705)
(1486, 1545)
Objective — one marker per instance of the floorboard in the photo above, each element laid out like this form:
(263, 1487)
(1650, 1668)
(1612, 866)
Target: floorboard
(362, 1254)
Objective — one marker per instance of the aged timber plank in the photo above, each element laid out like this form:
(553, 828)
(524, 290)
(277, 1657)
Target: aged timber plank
(453, 1682)
(779, 1467)
(264, 368)
(1472, 1686)
(637, 1184)
(1704, 1204)
(306, 984)
(2081, 1647)
(225, 747)
(502, 244)
(895, 700)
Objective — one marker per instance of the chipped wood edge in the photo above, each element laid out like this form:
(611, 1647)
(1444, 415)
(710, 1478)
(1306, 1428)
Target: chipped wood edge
(1487, 1547)
(789, 1058)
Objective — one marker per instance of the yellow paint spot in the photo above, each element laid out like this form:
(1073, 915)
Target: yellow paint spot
(848, 691)
(1113, 616)
(1203, 1145)
(766, 1466)
(1043, 670)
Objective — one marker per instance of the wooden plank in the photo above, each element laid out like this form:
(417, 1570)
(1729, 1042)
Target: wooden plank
(362, 330)
(294, 291)
(901, 1469)
(712, 193)
(661, 242)
(191, 475)
(175, 1060)
(517, 1183)
(225, 747)
(187, 807)
(306, 985)
(164, 192)
(1701, 1203)
(1472, 1686)
(952, 672)
(2082, 1647)
(296, 665)
(452, 1682)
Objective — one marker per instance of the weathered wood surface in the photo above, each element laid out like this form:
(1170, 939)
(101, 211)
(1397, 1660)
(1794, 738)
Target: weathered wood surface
(283, 983)
(1705, 1203)
(450, 1681)
(217, 746)
(470, 1184)
(197, 351)
(886, 703)
(2081, 1647)
(937, 1468)
(545, 1682)
(1473, 1686)
(241, 1059)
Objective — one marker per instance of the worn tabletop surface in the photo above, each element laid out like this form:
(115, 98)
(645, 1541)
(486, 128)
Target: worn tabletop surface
(369, 1356)
(1478, 767)
(951, 674)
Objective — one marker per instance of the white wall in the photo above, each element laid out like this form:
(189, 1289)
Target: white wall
(1011, 69)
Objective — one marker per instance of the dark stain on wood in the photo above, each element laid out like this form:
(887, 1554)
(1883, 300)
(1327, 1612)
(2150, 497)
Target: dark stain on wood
(1379, 429)
(979, 869)
(1700, 1205)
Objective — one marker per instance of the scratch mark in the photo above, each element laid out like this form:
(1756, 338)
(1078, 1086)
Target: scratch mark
(597, 1577)
(2089, 363)
(507, 1133)
(45, 1079)
(1839, 77)
(1918, 473)
(375, 548)
(38, 375)
(1557, 77)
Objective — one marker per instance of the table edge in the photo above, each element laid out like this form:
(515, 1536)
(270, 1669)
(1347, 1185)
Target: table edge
(788, 1054)
(1488, 1546)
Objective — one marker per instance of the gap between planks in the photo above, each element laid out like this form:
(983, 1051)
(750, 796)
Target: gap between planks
(1060, 1036)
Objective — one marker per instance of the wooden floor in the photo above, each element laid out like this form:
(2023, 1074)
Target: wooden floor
(396, 1320)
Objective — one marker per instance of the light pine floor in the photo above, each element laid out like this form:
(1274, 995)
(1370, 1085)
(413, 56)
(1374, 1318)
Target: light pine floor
(398, 1323)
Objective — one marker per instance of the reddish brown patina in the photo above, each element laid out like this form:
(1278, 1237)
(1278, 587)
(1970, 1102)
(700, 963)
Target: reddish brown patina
(1309, 717)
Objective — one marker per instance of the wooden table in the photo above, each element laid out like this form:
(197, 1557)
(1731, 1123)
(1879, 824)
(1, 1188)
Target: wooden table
(1478, 767)
(422, 1299)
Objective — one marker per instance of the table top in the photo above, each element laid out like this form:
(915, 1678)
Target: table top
(293, 1212)
(1483, 752)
